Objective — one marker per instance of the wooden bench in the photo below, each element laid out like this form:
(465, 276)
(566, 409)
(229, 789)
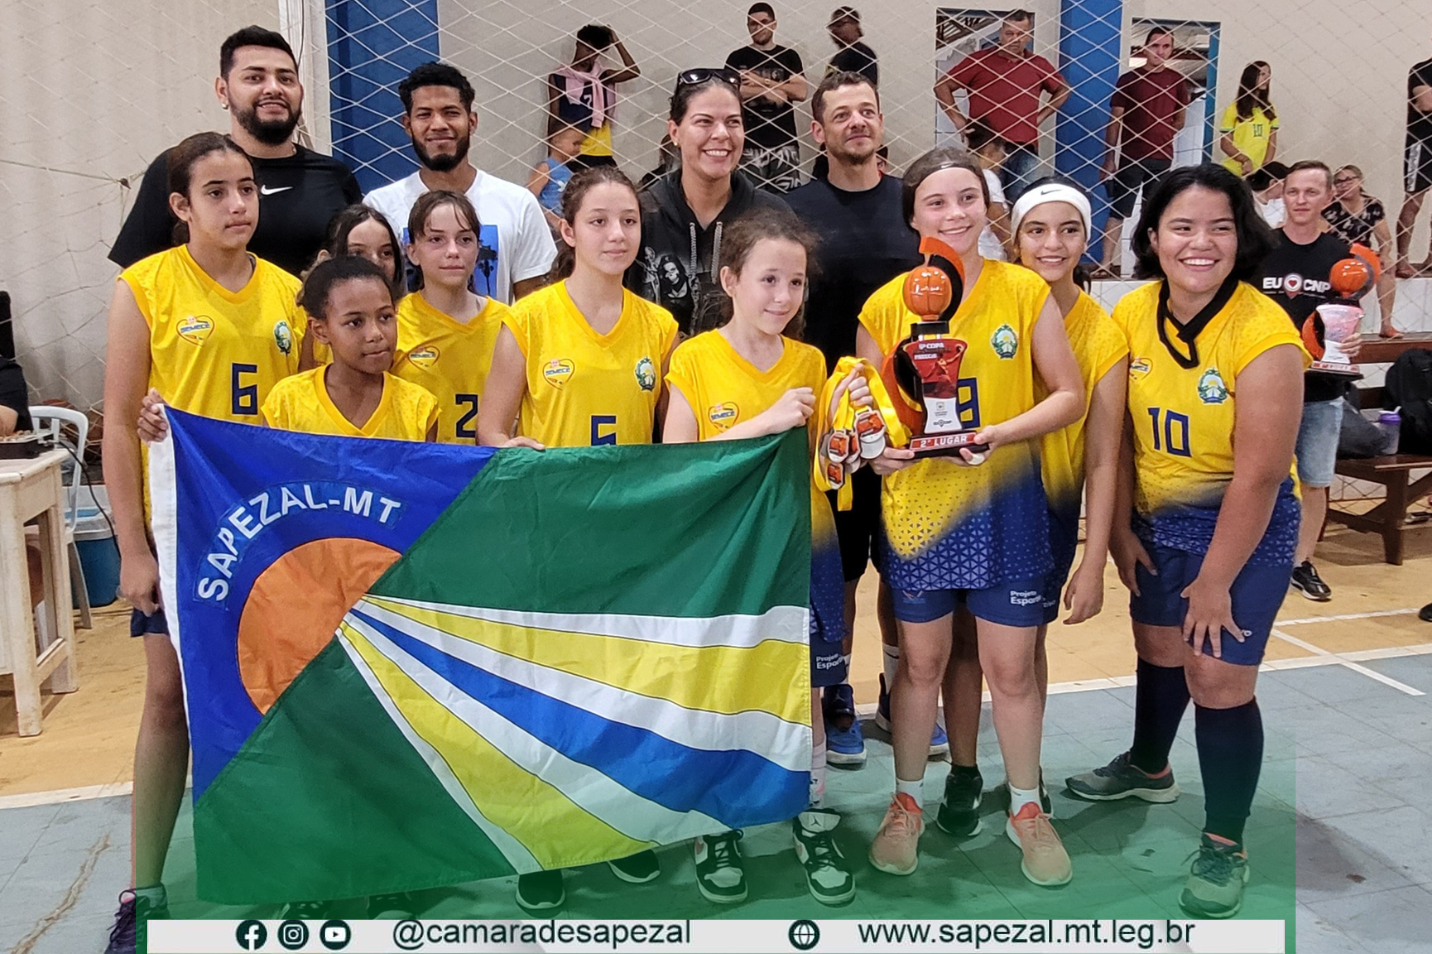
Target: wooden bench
(1393, 472)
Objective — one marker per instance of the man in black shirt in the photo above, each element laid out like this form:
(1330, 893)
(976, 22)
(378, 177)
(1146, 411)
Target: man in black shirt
(14, 399)
(299, 190)
(1416, 165)
(865, 242)
(853, 56)
(772, 78)
(1295, 275)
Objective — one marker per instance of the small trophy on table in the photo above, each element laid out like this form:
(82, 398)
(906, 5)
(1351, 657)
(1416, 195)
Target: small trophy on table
(922, 373)
(1351, 278)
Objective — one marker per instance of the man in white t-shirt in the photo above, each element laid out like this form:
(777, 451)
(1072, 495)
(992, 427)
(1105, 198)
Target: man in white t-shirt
(516, 246)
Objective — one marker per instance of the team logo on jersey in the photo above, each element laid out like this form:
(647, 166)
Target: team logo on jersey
(424, 357)
(195, 329)
(1004, 341)
(558, 371)
(646, 374)
(1211, 389)
(1139, 367)
(283, 337)
(723, 415)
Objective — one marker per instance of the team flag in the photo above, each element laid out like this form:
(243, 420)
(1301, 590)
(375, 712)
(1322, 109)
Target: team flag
(413, 665)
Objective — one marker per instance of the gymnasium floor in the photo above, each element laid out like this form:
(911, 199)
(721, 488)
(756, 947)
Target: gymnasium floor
(1348, 765)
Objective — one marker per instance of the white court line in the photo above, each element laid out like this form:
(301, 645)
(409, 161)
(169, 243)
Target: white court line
(1336, 659)
(1320, 657)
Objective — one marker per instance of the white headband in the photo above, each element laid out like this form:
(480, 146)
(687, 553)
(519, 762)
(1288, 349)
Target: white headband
(1052, 192)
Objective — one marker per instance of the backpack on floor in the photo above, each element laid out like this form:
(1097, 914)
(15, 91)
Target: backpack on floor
(1409, 385)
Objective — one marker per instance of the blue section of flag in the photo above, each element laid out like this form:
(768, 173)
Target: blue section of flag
(737, 787)
(247, 495)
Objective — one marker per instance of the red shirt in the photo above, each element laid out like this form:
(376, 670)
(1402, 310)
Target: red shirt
(1151, 101)
(1004, 91)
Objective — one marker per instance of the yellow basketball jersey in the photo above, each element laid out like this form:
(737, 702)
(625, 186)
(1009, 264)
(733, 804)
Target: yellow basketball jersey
(212, 351)
(584, 388)
(1183, 417)
(449, 359)
(948, 526)
(1098, 345)
(405, 412)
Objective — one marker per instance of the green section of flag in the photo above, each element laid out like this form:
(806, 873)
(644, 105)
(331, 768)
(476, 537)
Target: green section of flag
(328, 800)
(707, 529)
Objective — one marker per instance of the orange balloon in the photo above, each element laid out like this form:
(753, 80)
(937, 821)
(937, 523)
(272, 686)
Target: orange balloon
(927, 291)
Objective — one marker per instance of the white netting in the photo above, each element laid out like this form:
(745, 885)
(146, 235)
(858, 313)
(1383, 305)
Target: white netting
(91, 91)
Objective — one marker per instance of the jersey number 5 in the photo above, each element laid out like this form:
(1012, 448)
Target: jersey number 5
(1175, 432)
(245, 396)
(465, 427)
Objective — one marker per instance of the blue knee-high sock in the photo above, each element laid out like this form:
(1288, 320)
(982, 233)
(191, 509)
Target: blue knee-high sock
(1230, 755)
(1160, 697)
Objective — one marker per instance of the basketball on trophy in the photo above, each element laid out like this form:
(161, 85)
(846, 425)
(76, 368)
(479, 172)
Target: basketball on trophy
(1354, 276)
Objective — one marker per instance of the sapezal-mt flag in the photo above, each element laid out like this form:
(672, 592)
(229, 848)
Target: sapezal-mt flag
(412, 665)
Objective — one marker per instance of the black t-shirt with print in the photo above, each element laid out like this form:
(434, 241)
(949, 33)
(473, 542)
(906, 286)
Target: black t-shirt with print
(856, 58)
(1296, 277)
(769, 124)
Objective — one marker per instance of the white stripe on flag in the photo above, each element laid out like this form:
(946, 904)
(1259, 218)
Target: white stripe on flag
(787, 624)
(631, 814)
(164, 527)
(787, 744)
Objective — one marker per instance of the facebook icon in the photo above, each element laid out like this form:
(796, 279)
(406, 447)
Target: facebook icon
(251, 935)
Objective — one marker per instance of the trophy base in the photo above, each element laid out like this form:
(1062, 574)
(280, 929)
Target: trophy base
(945, 445)
(1336, 367)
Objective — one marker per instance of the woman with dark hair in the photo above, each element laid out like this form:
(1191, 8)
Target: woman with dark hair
(684, 213)
(1360, 219)
(364, 231)
(581, 96)
(1250, 124)
(1215, 398)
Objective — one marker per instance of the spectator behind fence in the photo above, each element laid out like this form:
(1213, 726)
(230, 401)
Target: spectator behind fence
(1006, 84)
(550, 176)
(852, 56)
(516, 249)
(1360, 219)
(1416, 166)
(772, 78)
(582, 95)
(299, 189)
(1145, 114)
(1267, 187)
(990, 151)
(1249, 131)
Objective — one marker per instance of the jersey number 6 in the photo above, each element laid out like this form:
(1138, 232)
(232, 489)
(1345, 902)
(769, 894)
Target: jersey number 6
(245, 396)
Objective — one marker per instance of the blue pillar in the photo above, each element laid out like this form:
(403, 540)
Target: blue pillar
(372, 45)
(1089, 57)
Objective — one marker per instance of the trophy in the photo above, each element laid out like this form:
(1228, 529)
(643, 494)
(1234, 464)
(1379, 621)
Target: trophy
(1351, 278)
(922, 373)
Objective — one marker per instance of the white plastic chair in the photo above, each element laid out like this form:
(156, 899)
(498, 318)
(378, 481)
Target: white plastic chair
(50, 422)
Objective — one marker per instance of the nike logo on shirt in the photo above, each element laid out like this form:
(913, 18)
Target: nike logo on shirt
(265, 190)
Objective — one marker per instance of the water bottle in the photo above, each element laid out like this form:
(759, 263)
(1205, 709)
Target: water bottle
(1390, 423)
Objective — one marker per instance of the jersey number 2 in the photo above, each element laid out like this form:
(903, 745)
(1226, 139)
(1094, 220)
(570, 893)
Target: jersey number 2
(465, 426)
(245, 396)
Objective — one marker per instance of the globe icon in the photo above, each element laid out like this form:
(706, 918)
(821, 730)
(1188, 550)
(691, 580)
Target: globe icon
(804, 935)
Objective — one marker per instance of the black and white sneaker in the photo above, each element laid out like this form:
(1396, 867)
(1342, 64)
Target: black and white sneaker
(304, 911)
(384, 907)
(639, 868)
(720, 871)
(1306, 581)
(828, 878)
(959, 813)
(541, 890)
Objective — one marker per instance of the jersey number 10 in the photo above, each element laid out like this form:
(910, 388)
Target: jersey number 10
(1175, 431)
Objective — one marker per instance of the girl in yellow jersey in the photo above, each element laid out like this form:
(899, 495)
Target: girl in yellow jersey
(579, 363)
(211, 328)
(1214, 404)
(446, 331)
(1051, 223)
(977, 536)
(748, 378)
(582, 361)
(350, 307)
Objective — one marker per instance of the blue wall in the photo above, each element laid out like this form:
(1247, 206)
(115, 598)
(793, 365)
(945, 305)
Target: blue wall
(1089, 58)
(372, 45)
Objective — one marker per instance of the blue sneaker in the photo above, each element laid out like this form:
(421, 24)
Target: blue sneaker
(939, 741)
(844, 742)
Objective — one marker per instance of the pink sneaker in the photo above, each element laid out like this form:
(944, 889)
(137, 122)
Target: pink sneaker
(1046, 863)
(895, 849)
